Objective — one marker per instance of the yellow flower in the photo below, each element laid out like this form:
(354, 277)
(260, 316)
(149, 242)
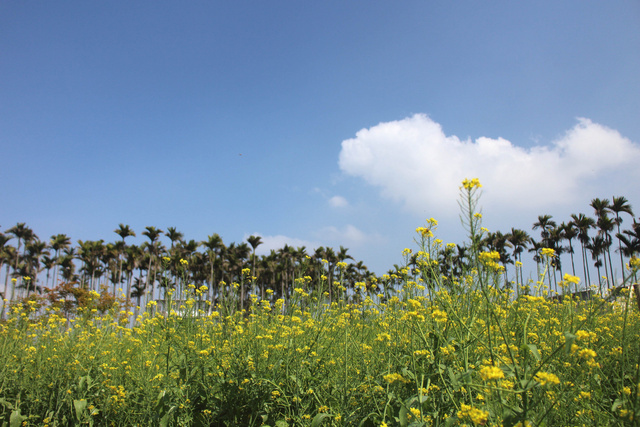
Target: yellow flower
(415, 412)
(488, 373)
(571, 279)
(587, 353)
(477, 416)
(424, 231)
(548, 252)
(545, 378)
(439, 316)
(391, 378)
(470, 184)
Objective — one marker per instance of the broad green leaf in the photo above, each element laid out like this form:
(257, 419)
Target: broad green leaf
(569, 340)
(403, 418)
(16, 418)
(164, 421)
(317, 420)
(80, 406)
(534, 350)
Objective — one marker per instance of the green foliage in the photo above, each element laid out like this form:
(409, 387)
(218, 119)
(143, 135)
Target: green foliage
(420, 349)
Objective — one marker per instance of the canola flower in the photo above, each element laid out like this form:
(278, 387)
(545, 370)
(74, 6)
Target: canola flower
(489, 373)
(548, 252)
(460, 348)
(470, 184)
(473, 414)
(546, 378)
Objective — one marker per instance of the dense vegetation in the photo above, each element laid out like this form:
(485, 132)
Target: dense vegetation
(224, 337)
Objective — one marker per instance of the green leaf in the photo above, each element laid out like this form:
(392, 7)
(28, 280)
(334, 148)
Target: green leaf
(317, 420)
(282, 423)
(6, 403)
(80, 406)
(618, 403)
(403, 418)
(16, 418)
(534, 350)
(569, 340)
(164, 421)
(453, 377)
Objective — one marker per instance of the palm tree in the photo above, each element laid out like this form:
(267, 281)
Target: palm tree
(550, 239)
(237, 258)
(519, 240)
(90, 254)
(214, 246)
(48, 263)
(4, 259)
(600, 206)
(597, 246)
(174, 235)
(255, 241)
(123, 231)
(58, 242)
(34, 250)
(154, 248)
(133, 258)
(24, 234)
(67, 266)
(631, 240)
(570, 232)
(546, 224)
(556, 235)
(605, 226)
(584, 223)
(619, 205)
(187, 251)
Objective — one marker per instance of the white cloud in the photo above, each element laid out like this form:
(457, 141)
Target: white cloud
(277, 242)
(413, 162)
(338, 202)
(331, 236)
(348, 235)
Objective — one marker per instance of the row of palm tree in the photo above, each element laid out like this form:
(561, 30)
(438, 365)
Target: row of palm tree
(594, 235)
(146, 271)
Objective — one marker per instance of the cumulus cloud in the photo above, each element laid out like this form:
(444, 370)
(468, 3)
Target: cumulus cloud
(348, 235)
(277, 242)
(338, 202)
(413, 162)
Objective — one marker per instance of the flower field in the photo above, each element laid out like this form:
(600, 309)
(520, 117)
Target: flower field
(427, 350)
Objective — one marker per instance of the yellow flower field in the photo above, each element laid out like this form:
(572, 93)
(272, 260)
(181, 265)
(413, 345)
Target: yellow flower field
(428, 351)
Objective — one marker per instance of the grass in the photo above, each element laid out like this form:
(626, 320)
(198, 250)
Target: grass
(430, 350)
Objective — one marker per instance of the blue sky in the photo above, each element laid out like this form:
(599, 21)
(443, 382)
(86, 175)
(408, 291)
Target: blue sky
(313, 123)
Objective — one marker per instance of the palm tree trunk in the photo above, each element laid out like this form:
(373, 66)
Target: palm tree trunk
(585, 265)
(146, 286)
(611, 265)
